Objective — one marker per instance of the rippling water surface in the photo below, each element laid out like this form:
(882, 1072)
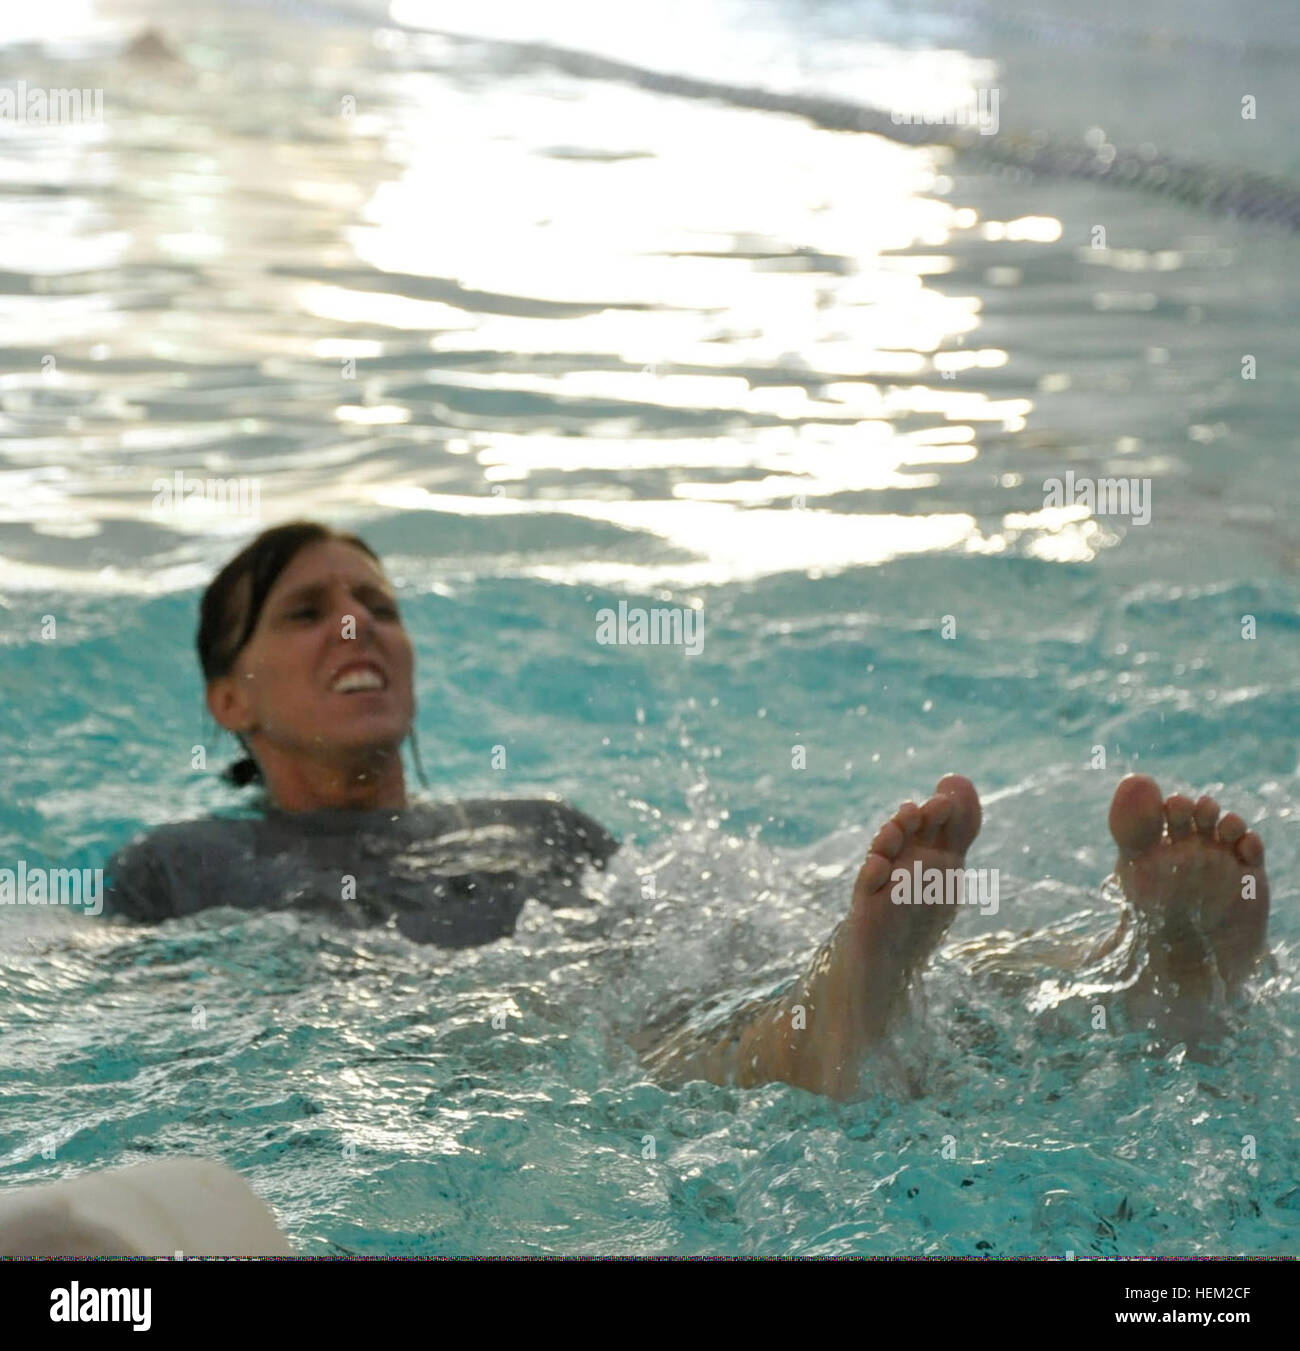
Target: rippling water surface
(554, 342)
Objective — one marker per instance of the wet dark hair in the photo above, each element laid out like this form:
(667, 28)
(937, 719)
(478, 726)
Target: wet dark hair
(232, 605)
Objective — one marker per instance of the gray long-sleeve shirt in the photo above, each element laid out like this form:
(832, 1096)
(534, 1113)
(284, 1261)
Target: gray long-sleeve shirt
(456, 874)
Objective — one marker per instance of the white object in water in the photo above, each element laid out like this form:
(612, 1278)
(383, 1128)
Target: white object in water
(189, 1206)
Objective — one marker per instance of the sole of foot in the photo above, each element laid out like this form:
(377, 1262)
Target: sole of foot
(1197, 879)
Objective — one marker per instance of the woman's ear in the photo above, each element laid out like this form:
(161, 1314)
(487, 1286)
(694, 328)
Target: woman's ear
(228, 704)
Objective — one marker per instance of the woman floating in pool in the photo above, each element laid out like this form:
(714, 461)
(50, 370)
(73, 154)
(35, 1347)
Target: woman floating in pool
(307, 662)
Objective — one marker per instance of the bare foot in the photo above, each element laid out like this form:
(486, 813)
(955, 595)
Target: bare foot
(885, 942)
(1198, 884)
(816, 1035)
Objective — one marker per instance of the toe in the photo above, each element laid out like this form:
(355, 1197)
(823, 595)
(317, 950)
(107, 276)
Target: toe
(933, 817)
(889, 840)
(873, 874)
(908, 816)
(1136, 816)
(1178, 812)
(1231, 829)
(963, 822)
(1250, 849)
(1206, 815)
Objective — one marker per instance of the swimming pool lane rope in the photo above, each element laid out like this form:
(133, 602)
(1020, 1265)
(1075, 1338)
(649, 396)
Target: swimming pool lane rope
(1220, 189)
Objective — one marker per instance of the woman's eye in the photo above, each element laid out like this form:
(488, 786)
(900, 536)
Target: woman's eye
(304, 612)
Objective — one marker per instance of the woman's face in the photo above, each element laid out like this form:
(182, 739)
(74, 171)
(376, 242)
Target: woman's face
(328, 670)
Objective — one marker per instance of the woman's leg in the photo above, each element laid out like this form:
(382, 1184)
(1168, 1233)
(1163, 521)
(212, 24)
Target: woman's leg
(816, 1034)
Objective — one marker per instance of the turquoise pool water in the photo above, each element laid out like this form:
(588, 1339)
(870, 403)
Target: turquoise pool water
(608, 345)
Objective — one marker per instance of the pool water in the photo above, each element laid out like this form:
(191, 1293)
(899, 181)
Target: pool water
(551, 344)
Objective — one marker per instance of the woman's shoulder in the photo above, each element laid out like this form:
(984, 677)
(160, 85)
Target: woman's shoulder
(187, 835)
(144, 875)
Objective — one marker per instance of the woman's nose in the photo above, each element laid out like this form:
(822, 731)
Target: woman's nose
(355, 620)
